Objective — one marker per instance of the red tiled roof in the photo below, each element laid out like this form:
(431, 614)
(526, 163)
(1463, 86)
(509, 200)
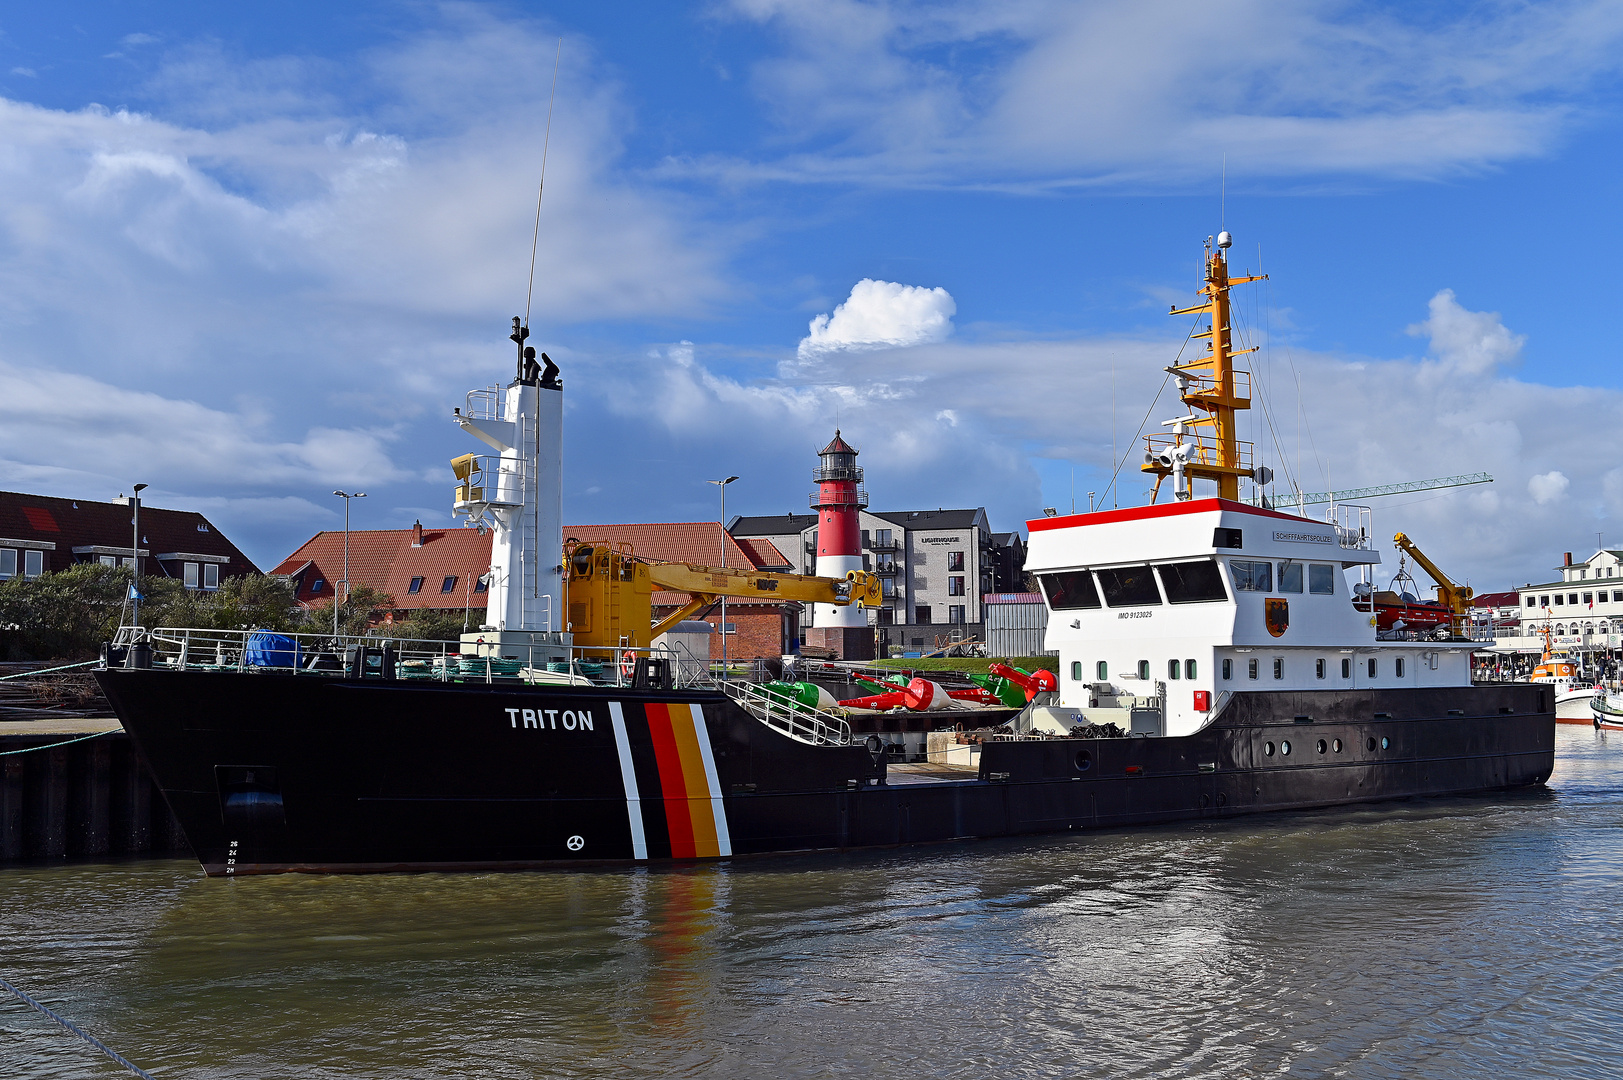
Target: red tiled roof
(838, 446)
(385, 560)
(764, 554)
(71, 523)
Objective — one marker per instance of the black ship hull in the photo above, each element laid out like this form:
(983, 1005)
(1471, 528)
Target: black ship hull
(283, 772)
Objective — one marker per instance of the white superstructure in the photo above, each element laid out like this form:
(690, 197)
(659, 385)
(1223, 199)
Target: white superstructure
(517, 492)
(1168, 608)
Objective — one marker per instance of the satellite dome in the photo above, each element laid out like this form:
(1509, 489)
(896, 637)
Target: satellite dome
(1224, 239)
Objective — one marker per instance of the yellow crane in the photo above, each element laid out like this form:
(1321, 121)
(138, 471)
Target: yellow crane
(609, 594)
(1456, 598)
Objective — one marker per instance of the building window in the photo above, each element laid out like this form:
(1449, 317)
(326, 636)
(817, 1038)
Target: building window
(1318, 667)
(955, 613)
(1372, 667)
(211, 575)
(8, 563)
(1189, 669)
(1397, 667)
(1251, 668)
(1572, 598)
(1102, 669)
(1321, 579)
(1589, 598)
(1173, 667)
(481, 583)
(33, 563)
(1290, 577)
(887, 617)
(449, 584)
(1346, 668)
(1144, 669)
(1279, 667)
(955, 586)
(416, 585)
(1251, 576)
(1532, 601)
(881, 538)
(1228, 669)
(188, 575)
(109, 560)
(955, 562)
(1559, 600)
(865, 541)
(316, 585)
(1544, 601)
(921, 613)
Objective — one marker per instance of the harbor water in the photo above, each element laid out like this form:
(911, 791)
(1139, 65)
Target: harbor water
(1444, 938)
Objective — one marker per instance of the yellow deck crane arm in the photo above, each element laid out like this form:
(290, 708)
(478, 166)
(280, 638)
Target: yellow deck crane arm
(610, 592)
(708, 584)
(1456, 598)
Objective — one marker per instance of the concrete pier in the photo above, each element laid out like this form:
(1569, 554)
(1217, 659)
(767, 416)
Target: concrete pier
(84, 799)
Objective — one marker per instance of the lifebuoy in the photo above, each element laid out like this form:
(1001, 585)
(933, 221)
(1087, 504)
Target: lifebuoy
(628, 663)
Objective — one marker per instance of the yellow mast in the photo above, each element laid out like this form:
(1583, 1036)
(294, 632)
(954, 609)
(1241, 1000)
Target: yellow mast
(1210, 384)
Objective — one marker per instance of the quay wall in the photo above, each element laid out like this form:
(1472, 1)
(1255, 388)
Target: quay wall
(82, 800)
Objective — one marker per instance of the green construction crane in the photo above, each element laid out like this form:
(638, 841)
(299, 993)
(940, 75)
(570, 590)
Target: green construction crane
(1372, 492)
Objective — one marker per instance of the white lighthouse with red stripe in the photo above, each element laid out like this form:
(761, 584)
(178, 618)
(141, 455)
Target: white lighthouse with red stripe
(839, 500)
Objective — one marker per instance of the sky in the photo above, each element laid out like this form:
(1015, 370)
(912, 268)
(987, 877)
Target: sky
(253, 253)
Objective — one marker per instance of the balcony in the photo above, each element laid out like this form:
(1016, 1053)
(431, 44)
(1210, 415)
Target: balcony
(859, 498)
(885, 545)
(837, 472)
(886, 569)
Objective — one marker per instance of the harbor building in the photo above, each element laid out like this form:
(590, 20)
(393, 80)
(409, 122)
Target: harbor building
(937, 565)
(40, 534)
(432, 569)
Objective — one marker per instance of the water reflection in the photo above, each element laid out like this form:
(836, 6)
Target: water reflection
(1430, 939)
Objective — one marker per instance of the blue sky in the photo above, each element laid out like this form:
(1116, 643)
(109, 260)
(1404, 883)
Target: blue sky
(250, 253)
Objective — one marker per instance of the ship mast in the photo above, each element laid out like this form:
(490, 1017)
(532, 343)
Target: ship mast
(1212, 385)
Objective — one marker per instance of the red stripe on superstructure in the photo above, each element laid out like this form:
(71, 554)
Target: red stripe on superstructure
(672, 783)
(1139, 513)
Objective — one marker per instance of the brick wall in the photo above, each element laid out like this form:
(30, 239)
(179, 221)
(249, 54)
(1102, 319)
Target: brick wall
(757, 630)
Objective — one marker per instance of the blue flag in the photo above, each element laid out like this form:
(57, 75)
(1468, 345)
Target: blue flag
(135, 595)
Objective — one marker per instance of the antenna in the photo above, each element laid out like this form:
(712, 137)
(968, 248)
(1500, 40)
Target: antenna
(546, 143)
(1223, 197)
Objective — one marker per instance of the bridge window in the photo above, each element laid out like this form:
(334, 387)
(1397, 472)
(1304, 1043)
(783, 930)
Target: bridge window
(1252, 576)
(1397, 667)
(1192, 582)
(1228, 669)
(1279, 667)
(1372, 669)
(1129, 586)
(1318, 667)
(1290, 577)
(1069, 590)
(1346, 668)
(1251, 668)
(1321, 579)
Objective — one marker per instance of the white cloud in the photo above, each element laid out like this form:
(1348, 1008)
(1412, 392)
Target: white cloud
(1047, 92)
(1548, 487)
(1468, 342)
(882, 315)
(24, 72)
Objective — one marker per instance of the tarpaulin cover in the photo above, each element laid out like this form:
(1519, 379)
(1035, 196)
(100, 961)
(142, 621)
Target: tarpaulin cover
(266, 649)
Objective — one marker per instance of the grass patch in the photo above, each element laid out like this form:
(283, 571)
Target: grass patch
(978, 664)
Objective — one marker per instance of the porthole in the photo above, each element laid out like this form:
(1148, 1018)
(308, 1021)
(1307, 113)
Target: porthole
(1386, 744)
(1336, 745)
(1372, 742)
(1084, 760)
(1285, 747)
(1323, 746)
(1268, 749)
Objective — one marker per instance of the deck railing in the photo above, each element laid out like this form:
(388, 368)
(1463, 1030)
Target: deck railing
(804, 723)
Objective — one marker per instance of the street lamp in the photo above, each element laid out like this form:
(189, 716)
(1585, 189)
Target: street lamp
(135, 556)
(722, 484)
(346, 496)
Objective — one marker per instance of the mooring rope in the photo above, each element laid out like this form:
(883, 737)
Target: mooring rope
(85, 1035)
(53, 746)
(47, 671)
